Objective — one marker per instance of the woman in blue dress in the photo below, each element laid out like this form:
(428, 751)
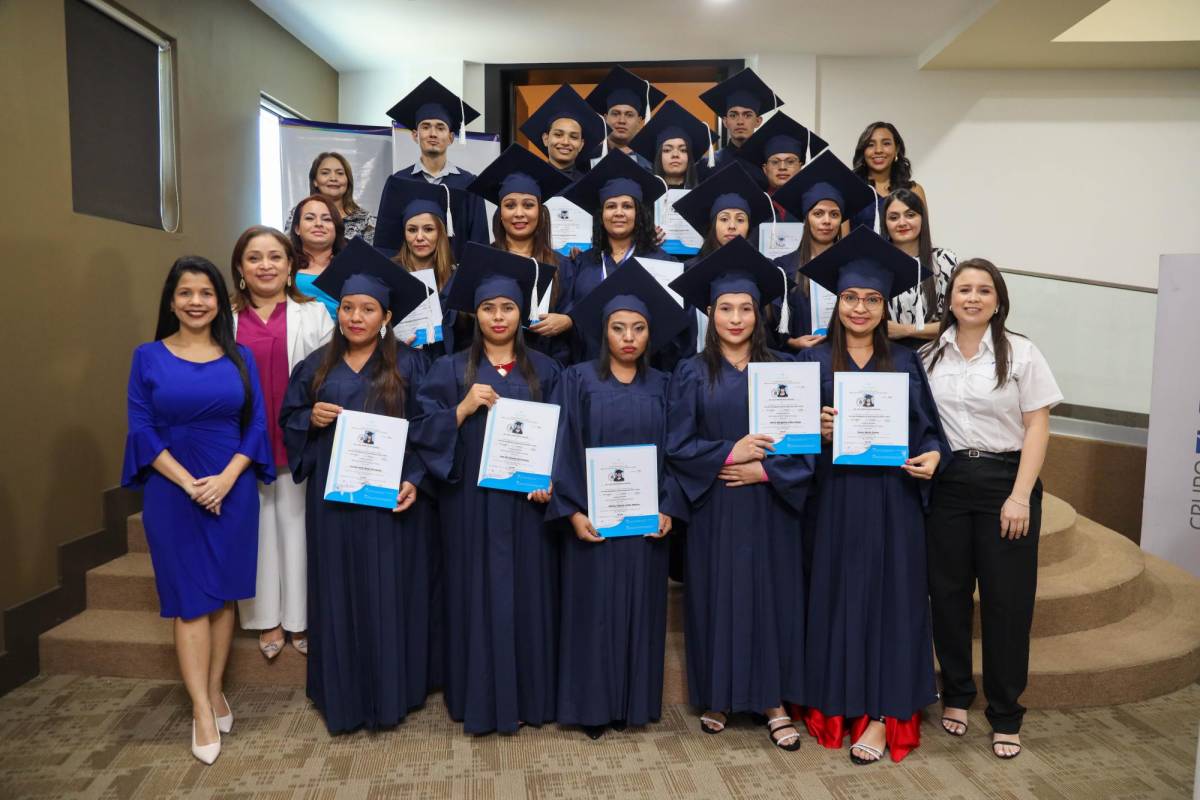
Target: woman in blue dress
(501, 559)
(370, 570)
(197, 445)
(870, 654)
(614, 588)
(620, 197)
(745, 593)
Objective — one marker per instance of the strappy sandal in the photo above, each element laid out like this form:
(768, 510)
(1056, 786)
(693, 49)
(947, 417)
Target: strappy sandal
(789, 741)
(1000, 743)
(707, 720)
(954, 721)
(271, 648)
(859, 760)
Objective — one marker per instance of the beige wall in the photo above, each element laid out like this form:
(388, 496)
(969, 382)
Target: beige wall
(83, 291)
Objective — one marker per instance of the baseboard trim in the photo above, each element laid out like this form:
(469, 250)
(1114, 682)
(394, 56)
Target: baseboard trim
(26, 621)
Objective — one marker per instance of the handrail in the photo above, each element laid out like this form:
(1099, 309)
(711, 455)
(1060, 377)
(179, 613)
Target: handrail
(1085, 281)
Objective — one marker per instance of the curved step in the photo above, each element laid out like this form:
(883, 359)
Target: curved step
(1153, 651)
(1098, 583)
(1058, 530)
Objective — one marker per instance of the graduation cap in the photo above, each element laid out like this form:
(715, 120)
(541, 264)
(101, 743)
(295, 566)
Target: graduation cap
(673, 121)
(485, 272)
(737, 267)
(781, 134)
(631, 288)
(865, 260)
(824, 178)
(566, 103)
(745, 90)
(614, 175)
(620, 87)
(404, 198)
(518, 170)
(729, 187)
(361, 269)
(431, 100)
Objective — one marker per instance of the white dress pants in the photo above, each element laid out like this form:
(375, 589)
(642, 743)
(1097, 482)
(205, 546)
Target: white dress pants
(281, 595)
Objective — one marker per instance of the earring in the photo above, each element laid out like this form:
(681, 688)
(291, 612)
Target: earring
(289, 280)
(383, 332)
(342, 332)
(242, 284)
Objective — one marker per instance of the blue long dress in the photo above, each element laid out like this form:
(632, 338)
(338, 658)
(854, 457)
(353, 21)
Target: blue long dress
(870, 652)
(201, 560)
(744, 594)
(372, 574)
(614, 593)
(500, 558)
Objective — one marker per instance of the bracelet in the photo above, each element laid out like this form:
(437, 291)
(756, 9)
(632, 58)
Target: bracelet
(1018, 502)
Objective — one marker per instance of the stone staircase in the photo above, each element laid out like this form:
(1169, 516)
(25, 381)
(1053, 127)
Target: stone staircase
(1112, 624)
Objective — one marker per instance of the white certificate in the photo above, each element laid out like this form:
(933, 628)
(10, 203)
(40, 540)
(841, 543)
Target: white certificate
(570, 225)
(367, 459)
(664, 272)
(785, 404)
(871, 426)
(779, 239)
(682, 238)
(622, 486)
(425, 321)
(518, 446)
(822, 304)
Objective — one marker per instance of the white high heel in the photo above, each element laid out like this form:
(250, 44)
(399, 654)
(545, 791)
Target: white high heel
(206, 752)
(225, 723)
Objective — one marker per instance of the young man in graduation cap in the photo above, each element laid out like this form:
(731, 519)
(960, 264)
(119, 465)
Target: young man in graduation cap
(436, 116)
(625, 101)
(567, 130)
(739, 103)
(780, 148)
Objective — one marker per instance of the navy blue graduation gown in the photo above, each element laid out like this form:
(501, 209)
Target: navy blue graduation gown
(722, 157)
(501, 561)
(744, 595)
(614, 593)
(799, 308)
(869, 643)
(468, 210)
(584, 273)
(372, 573)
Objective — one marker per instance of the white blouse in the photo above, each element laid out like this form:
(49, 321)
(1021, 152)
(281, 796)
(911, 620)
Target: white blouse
(977, 415)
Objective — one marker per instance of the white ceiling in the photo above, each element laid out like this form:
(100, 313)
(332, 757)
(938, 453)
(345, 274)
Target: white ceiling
(356, 35)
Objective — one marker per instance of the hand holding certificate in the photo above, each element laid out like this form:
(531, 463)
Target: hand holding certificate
(871, 426)
(622, 485)
(367, 459)
(518, 446)
(785, 404)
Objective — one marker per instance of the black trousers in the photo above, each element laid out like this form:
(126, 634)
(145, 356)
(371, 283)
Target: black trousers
(964, 546)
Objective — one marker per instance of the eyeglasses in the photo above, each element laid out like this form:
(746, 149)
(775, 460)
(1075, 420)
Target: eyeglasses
(776, 163)
(871, 301)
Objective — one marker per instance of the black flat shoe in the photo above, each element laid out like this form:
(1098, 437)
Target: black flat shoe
(594, 732)
(618, 725)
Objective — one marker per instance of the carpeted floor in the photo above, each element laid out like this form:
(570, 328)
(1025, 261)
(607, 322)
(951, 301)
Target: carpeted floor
(69, 736)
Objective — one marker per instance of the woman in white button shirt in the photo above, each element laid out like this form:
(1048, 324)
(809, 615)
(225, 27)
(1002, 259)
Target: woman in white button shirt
(994, 392)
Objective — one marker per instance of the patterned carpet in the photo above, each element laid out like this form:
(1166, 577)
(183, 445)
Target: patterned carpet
(69, 736)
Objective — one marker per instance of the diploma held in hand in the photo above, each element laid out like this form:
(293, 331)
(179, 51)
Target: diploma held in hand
(785, 404)
(518, 446)
(623, 490)
(871, 426)
(367, 459)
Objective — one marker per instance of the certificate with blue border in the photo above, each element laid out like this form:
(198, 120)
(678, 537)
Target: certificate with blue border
(871, 426)
(785, 404)
(518, 446)
(367, 459)
(622, 486)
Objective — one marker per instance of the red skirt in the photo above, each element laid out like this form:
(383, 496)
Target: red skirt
(902, 736)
